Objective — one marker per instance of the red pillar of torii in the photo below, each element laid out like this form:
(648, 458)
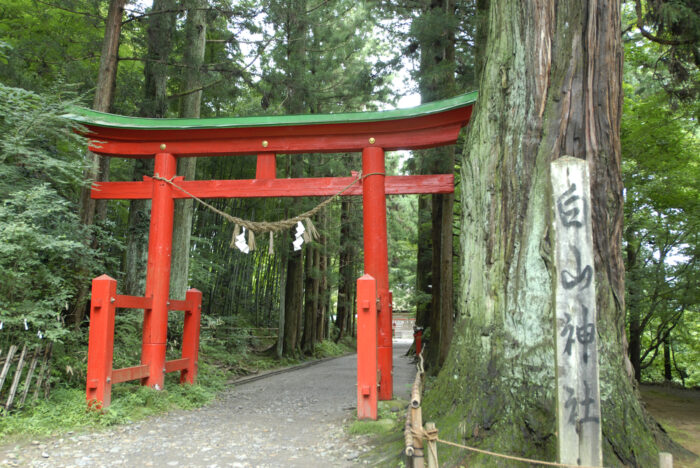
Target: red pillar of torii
(370, 133)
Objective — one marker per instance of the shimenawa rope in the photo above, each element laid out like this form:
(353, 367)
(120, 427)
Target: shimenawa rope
(268, 226)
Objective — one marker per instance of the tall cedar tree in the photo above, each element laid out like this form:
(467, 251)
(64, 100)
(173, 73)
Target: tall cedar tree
(435, 32)
(98, 167)
(195, 41)
(550, 85)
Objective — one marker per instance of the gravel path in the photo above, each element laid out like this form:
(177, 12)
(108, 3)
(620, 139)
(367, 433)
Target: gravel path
(292, 419)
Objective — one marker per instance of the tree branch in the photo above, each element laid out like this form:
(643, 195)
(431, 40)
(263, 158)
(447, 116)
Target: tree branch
(200, 88)
(647, 34)
(82, 13)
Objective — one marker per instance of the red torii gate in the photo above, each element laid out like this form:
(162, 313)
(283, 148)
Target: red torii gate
(371, 133)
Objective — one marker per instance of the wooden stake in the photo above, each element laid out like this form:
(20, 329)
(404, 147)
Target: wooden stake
(408, 435)
(665, 460)
(30, 373)
(431, 431)
(6, 367)
(42, 372)
(16, 379)
(417, 427)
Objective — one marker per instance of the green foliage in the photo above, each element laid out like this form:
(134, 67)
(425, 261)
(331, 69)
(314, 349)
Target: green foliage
(41, 239)
(671, 43)
(390, 415)
(328, 348)
(661, 167)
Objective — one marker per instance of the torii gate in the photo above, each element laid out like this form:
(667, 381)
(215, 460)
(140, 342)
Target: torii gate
(371, 133)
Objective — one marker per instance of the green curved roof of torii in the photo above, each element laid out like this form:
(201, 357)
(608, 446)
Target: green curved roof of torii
(101, 119)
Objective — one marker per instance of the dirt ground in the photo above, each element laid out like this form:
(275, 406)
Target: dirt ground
(678, 412)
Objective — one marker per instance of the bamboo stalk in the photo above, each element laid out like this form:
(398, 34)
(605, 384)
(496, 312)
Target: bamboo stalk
(16, 379)
(416, 429)
(408, 436)
(416, 391)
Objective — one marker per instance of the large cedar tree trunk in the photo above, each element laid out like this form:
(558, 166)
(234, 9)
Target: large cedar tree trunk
(98, 166)
(296, 35)
(346, 254)
(435, 30)
(309, 334)
(195, 40)
(550, 86)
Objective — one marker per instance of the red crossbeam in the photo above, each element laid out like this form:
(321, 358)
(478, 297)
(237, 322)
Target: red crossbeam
(177, 305)
(176, 365)
(133, 302)
(129, 373)
(250, 188)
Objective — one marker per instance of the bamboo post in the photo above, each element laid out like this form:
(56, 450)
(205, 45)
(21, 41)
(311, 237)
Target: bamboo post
(665, 460)
(417, 429)
(431, 432)
(416, 391)
(408, 435)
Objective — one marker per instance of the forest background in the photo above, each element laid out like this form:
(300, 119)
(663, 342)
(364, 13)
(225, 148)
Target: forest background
(217, 58)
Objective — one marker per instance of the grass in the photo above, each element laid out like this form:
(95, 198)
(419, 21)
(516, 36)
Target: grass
(386, 434)
(388, 421)
(65, 410)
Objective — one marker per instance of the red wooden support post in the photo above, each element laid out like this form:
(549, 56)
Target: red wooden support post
(190, 335)
(160, 237)
(266, 167)
(101, 342)
(377, 258)
(366, 348)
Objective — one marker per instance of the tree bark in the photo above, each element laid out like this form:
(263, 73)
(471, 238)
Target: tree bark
(195, 40)
(633, 307)
(296, 36)
(437, 81)
(424, 261)
(309, 335)
(668, 375)
(98, 166)
(345, 270)
(322, 290)
(550, 86)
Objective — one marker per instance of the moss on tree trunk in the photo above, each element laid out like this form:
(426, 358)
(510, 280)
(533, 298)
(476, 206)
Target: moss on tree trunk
(550, 86)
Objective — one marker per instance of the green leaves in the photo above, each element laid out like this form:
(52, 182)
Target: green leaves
(41, 239)
(661, 170)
